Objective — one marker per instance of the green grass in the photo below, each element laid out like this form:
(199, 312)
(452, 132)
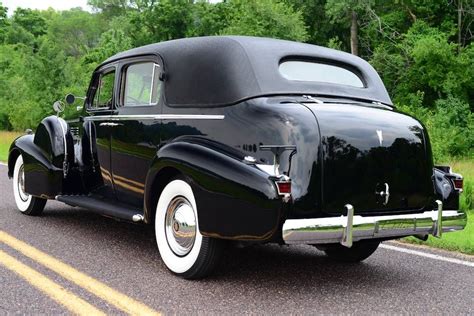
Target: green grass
(463, 240)
(466, 168)
(6, 138)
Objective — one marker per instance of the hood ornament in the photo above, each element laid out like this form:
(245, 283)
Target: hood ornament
(380, 136)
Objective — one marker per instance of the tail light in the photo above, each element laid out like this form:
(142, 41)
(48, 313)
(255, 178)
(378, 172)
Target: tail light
(458, 184)
(283, 187)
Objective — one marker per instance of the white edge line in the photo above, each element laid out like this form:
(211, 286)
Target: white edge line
(3, 163)
(428, 255)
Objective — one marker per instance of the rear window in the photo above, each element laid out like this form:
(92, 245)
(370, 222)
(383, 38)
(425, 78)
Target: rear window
(319, 72)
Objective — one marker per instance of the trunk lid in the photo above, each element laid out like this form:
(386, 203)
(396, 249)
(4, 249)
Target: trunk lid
(373, 158)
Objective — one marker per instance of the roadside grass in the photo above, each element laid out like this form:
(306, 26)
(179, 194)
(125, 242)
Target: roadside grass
(6, 138)
(462, 241)
(466, 168)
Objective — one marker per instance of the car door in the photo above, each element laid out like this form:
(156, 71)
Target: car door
(136, 137)
(101, 107)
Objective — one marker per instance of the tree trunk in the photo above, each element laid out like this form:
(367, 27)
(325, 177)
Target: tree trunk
(354, 36)
(459, 24)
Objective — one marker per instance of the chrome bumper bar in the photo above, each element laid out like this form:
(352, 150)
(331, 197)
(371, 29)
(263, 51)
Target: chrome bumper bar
(350, 228)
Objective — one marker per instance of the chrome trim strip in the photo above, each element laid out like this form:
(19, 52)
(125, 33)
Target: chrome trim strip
(155, 117)
(331, 230)
(152, 82)
(111, 124)
(63, 130)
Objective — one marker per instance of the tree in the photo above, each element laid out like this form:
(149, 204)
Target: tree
(30, 20)
(347, 12)
(73, 40)
(207, 18)
(265, 18)
(3, 21)
(111, 8)
(110, 43)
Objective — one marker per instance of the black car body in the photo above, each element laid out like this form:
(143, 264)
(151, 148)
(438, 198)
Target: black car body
(278, 141)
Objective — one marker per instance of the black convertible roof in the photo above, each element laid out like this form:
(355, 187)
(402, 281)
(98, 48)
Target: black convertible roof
(224, 70)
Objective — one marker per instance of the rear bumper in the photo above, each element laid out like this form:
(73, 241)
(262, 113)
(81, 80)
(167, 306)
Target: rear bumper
(346, 229)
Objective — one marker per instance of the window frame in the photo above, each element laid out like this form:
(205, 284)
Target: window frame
(124, 65)
(94, 89)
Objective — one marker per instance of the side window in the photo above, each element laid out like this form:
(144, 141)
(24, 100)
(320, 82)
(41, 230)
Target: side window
(105, 90)
(142, 85)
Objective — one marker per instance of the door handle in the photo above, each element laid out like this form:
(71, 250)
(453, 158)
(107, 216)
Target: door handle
(111, 124)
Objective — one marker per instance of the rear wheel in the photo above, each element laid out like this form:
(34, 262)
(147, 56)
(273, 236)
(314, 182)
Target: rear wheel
(182, 247)
(358, 252)
(26, 203)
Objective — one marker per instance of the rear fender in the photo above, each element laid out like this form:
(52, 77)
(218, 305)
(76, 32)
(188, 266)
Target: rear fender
(235, 200)
(445, 191)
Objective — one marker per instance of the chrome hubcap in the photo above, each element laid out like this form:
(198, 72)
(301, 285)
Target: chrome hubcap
(21, 185)
(180, 226)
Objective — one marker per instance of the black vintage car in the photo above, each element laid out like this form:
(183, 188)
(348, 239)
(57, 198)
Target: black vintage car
(241, 139)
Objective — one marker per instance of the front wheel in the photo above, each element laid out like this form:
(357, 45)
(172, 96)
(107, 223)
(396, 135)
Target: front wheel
(358, 252)
(182, 247)
(26, 203)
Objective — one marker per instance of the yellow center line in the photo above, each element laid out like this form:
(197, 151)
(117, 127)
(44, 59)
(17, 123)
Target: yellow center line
(64, 297)
(119, 300)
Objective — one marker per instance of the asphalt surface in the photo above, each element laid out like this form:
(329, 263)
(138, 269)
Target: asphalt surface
(267, 279)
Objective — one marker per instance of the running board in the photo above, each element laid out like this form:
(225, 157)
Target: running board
(103, 207)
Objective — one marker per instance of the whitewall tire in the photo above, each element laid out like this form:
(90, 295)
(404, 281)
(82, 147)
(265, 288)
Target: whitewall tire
(26, 203)
(183, 249)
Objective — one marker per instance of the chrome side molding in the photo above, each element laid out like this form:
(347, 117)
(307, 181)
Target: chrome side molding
(349, 228)
(123, 117)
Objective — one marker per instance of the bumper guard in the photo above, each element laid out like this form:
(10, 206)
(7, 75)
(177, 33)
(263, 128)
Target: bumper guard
(350, 228)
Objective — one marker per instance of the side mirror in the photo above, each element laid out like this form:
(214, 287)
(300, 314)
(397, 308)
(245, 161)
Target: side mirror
(70, 98)
(58, 107)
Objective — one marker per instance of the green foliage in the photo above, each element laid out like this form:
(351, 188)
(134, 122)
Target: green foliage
(162, 21)
(424, 56)
(30, 20)
(450, 125)
(208, 18)
(110, 43)
(73, 40)
(467, 197)
(265, 18)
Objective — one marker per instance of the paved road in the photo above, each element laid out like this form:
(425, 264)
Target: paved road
(255, 280)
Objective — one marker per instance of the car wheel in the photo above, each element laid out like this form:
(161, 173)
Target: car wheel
(26, 203)
(358, 252)
(183, 249)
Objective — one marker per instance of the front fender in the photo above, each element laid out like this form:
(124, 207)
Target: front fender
(235, 200)
(42, 178)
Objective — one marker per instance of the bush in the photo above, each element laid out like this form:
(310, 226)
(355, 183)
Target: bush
(450, 126)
